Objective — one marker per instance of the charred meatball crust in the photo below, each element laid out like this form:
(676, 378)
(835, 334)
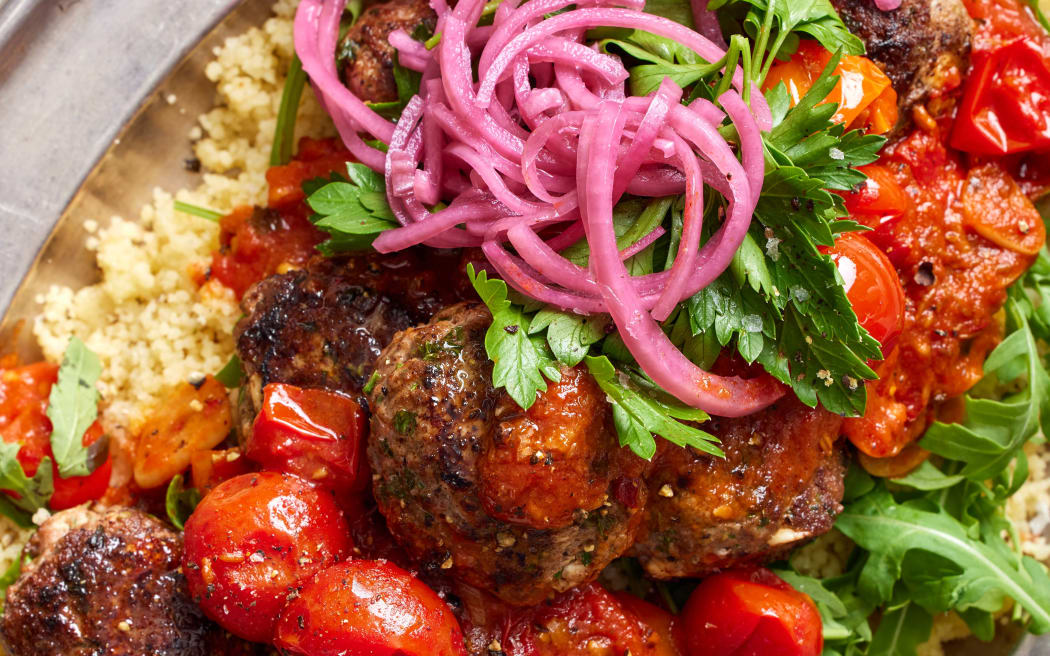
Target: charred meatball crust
(916, 45)
(106, 582)
(445, 449)
(369, 57)
(780, 484)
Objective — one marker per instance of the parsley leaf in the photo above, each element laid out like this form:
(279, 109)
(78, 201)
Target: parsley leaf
(352, 210)
(73, 407)
(639, 413)
(569, 335)
(520, 361)
(778, 24)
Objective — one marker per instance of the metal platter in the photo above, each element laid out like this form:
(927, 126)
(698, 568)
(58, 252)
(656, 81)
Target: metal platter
(86, 132)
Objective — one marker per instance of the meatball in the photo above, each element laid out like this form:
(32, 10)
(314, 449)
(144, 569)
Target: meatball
(781, 483)
(369, 57)
(324, 325)
(916, 45)
(521, 503)
(106, 582)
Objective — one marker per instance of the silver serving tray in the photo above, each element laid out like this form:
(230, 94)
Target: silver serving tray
(86, 133)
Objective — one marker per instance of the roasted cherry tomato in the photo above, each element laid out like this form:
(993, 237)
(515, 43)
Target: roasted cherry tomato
(76, 490)
(24, 396)
(879, 203)
(368, 607)
(317, 434)
(1006, 102)
(872, 285)
(210, 468)
(190, 418)
(864, 94)
(748, 613)
(253, 541)
(656, 619)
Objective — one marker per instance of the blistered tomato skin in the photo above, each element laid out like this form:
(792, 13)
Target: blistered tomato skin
(872, 286)
(368, 607)
(253, 541)
(317, 434)
(748, 613)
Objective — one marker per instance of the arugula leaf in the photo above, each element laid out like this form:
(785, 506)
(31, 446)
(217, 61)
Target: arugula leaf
(919, 538)
(73, 407)
(33, 493)
(180, 501)
(353, 211)
(995, 430)
(284, 131)
(901, 630)
(638, 414)
(520, 362)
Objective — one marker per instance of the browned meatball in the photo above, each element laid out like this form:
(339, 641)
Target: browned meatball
(324, 325)
(780, 484)
(916, 45)
(107, 582)
(523, 504)
(369, 64)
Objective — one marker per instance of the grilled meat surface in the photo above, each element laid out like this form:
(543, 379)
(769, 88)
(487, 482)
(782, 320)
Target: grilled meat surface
(324, 325)
(916, 45)
(369, 57)
(780, 484)
(107, 582)
(523, 504)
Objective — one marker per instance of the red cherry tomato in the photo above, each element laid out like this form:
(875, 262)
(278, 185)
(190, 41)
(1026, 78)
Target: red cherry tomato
(654, 618)
(314, 433)
(24, 396)
(253, 541)
(368, 607)
(872, 286)
(864, 94)
(879, 203)
(748, 613)
(210, 468)
(76, 490)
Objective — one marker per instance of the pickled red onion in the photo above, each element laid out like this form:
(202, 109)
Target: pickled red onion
(548, 139)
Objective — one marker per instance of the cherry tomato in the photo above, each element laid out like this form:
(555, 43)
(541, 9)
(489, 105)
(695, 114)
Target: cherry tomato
(251, 543)
(1006, 101)
(24, 396)
(864, 94)
(368, 607)
(76, 490)
(748, 613)
(656, 619)
(879, 203)
(209, 468)
(314, 433)
(872, 286)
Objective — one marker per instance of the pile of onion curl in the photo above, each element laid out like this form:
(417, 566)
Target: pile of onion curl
(545, 143)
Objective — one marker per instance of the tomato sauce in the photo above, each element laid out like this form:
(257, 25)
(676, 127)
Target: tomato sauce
(967, 235)
(258, 242)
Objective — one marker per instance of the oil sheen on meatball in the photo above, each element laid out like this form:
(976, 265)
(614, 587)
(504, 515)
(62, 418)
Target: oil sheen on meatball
(106, 582)
(521, 503)
(780, 485)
